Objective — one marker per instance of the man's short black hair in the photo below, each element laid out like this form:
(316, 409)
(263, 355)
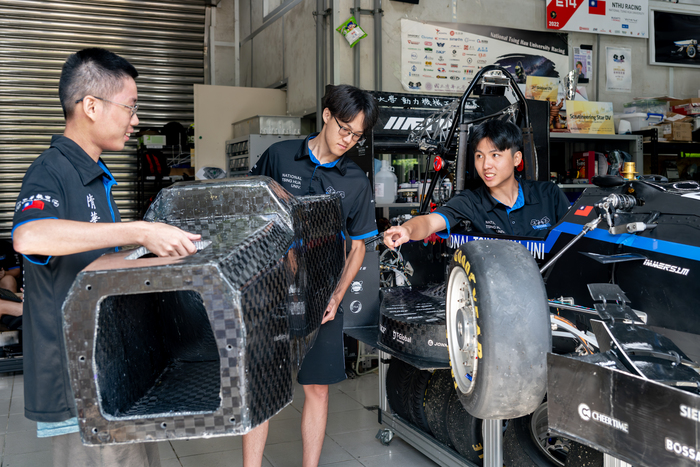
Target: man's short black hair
(503, 134)
(345, 102)
(95, 72)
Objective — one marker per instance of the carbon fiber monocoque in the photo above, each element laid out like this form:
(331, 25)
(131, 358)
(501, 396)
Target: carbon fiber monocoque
(206, 345)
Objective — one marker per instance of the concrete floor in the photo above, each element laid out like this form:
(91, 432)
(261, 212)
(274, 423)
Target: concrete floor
(350, 434)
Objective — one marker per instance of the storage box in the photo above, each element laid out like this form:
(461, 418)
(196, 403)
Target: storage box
(267, 125)
(639, 121)
(686, 106)
(676, 131)
(676, 127)
(644, 106)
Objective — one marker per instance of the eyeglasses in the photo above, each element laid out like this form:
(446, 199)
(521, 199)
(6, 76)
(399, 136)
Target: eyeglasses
(133, 108)
(342, 131)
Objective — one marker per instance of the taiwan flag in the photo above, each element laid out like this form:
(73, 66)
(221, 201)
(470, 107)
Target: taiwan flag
(596, 7)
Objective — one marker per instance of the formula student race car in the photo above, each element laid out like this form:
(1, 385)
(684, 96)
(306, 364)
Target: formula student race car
(687, 48)
(595, 346)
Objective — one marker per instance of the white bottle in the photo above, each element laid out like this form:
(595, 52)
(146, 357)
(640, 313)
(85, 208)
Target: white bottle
(385, 184)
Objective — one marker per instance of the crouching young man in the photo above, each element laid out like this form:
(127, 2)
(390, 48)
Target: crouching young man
(504, 204)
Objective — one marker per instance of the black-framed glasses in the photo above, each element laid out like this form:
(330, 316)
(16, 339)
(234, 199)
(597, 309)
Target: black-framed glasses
(342, 131)
(133, 108)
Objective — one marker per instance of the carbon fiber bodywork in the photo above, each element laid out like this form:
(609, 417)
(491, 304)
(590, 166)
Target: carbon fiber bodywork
(205, 345)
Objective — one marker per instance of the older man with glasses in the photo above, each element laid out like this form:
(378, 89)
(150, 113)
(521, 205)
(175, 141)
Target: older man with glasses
(66, 217)
(316, 166)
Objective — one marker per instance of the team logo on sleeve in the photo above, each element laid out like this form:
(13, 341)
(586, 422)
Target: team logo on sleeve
(36, 202)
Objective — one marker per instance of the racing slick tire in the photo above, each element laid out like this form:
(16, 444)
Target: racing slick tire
(398, 382)
(466, 432)
(419, 386)
(498, 329)
(437, 398)
(691, 51)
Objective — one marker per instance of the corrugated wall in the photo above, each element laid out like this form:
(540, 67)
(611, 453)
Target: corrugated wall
(164, 40)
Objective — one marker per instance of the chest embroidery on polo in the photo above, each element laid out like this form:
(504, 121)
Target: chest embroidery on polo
(93, 209)
(330, 190)
(540, 224)
(493, 226)
(294, 181)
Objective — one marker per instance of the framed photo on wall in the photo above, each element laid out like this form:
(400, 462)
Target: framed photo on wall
(674, 34)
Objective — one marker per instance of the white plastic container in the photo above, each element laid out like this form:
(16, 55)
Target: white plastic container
(385, 184)
(638, 121)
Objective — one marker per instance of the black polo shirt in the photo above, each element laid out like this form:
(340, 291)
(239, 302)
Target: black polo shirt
(62, 183)
(543, 204)
(293, 166)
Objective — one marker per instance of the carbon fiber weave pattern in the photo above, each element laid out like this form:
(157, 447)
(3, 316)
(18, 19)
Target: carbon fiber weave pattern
(207, 345)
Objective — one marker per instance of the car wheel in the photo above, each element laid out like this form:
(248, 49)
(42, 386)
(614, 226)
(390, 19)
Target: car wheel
(498, 329)
(691, 51)
(437, 398)
(419, 386)
(398, 381)
(465, 431)
(527, 442)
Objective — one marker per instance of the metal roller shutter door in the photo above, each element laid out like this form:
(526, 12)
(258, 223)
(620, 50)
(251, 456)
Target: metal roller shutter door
(164, 40)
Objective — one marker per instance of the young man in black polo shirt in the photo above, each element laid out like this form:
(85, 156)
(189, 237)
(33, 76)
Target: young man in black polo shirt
(503, 205)
(65, 218)
(313, 167)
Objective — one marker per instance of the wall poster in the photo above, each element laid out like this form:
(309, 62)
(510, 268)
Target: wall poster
(618, 69)
(444, 57)
(617, 18)
(674, 35)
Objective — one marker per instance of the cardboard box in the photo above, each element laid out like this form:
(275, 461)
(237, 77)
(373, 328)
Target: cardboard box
(676, 131)
(686, 106)
(676, 127)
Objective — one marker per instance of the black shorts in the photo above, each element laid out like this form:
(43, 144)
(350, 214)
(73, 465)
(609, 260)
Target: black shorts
(325, 362)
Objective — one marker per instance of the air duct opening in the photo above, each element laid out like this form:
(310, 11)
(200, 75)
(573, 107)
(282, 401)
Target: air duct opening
(155, 354)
